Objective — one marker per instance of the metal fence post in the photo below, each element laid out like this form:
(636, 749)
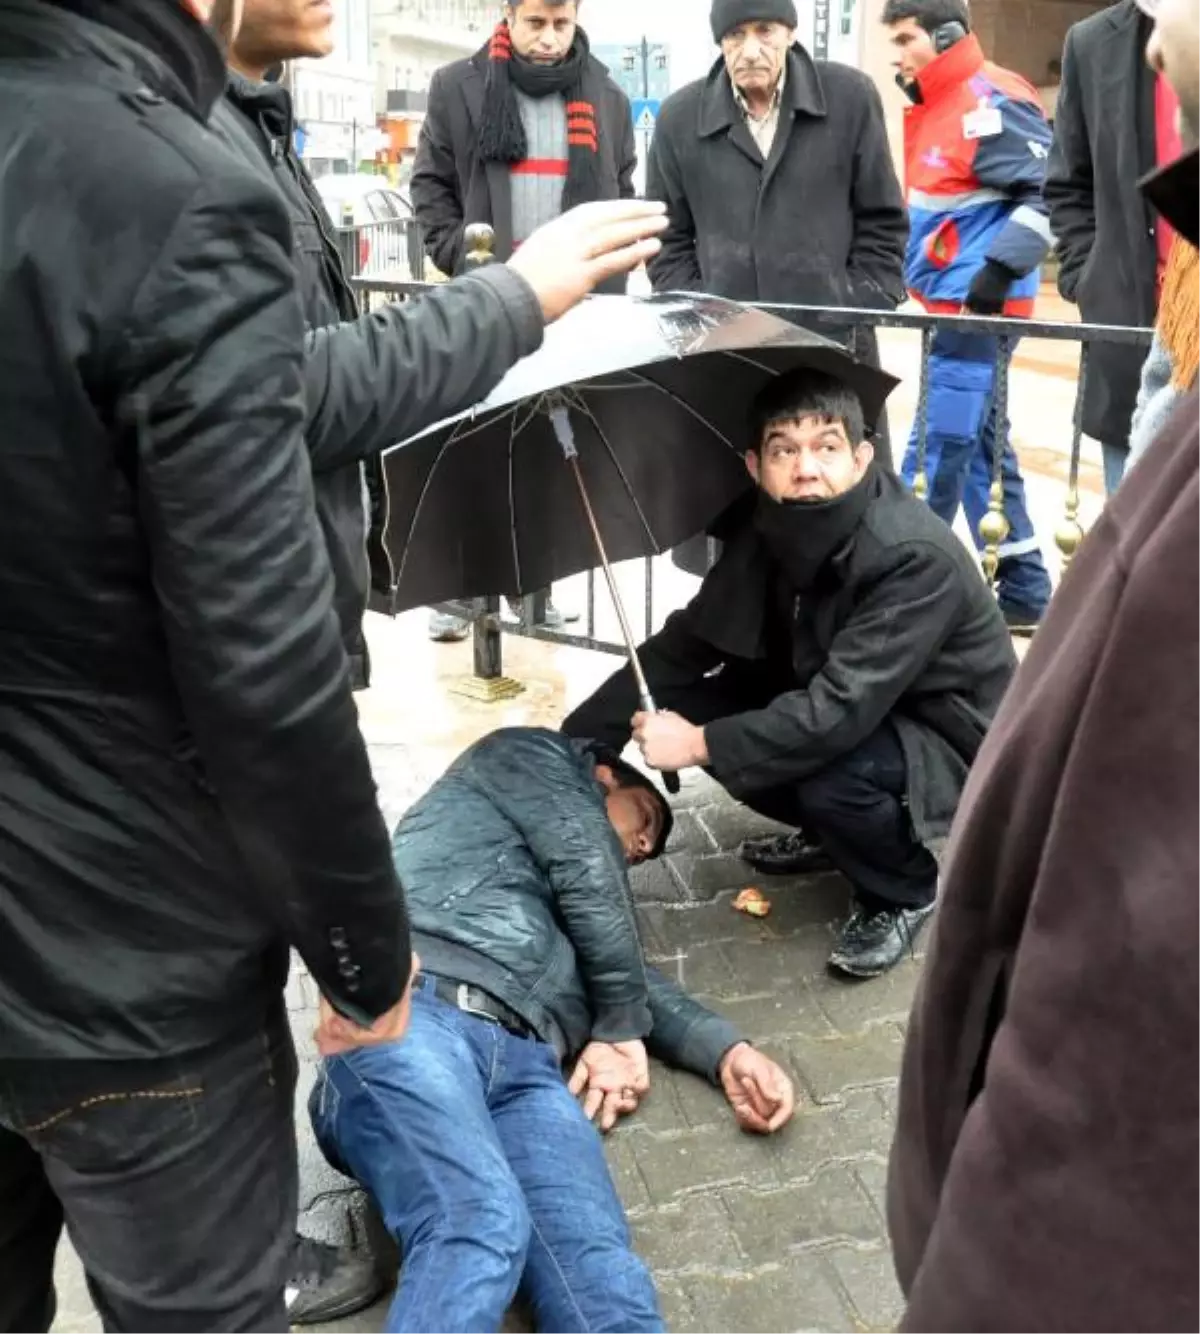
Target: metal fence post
(1069, 534)
(488, 684)
(994, 526)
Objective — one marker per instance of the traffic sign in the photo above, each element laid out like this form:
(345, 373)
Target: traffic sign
(645, 113)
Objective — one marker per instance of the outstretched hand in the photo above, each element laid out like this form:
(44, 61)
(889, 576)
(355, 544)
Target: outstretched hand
(612, 1078)
(759, 1092)
(566, 258)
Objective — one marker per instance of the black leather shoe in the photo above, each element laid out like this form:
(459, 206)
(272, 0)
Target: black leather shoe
(785, 854)
(327, 1283)
(871, 943)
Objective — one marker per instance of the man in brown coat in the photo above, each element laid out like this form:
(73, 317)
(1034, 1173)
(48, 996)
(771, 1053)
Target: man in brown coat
(1044, 1173)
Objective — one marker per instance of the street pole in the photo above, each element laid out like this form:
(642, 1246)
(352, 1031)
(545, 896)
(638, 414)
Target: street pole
(645, 68)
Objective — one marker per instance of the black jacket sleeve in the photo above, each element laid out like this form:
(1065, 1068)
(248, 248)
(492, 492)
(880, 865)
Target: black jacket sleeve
(1068, 189)
(211, 385)
(376, 380)
(539, 785)
(903, 617)
(685, 1034)
(672, 658)
(433, 187)
(676, 267)
(876, 263)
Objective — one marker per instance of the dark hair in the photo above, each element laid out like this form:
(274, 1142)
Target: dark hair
(625, 775)
(805, 393)
(929, 14)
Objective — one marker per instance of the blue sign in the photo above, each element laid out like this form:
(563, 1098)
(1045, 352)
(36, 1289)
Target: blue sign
(645, 113)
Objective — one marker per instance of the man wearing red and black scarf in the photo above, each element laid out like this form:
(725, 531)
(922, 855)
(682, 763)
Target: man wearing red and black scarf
(526, 128)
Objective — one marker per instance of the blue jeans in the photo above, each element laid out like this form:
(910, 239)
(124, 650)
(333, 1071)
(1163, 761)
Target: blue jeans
(1116, 459)
(960, 452)
(487, 1174)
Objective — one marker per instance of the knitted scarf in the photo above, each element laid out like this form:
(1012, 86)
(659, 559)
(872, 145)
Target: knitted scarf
(1179, 313)
(502, 136)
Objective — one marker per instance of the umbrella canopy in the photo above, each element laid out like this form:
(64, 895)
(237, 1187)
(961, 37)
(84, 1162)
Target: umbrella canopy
(657, 391)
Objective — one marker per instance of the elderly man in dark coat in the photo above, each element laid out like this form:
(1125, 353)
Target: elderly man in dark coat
(837, 669)
(1114, 122)
(1045, 1165)
(777, 174)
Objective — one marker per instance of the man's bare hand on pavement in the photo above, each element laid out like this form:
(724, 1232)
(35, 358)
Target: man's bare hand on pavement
(612, 1077)
(759, 1092)
(336, 1034)
(564, 260)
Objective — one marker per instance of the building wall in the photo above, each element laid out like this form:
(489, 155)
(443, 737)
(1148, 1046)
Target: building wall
(335, 96)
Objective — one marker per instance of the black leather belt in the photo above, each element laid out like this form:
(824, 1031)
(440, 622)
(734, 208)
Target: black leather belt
(480, 1003)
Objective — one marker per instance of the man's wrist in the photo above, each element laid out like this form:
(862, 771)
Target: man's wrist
(729, 1054)
(700, 752)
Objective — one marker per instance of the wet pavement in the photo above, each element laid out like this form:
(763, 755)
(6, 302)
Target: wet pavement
(742, 1234)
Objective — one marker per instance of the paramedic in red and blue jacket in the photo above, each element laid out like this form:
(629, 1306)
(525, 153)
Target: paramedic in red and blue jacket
(975, 146)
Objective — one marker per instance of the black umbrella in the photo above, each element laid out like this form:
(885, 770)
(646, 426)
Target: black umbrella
(621, 437)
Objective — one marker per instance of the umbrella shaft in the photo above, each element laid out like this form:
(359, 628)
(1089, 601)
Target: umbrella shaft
(643, 686)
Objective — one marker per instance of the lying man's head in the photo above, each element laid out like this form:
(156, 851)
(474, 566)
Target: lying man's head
(808, 438)
(638, 811)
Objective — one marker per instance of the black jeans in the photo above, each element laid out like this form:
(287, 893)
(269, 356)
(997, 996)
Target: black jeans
(176, 1177)
(855, 806)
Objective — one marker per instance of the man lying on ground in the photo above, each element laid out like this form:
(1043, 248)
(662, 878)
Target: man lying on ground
(836, 671)
(475, 1151)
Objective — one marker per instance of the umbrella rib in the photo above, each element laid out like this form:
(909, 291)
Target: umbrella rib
(687, 407)
(512, 499)
(453, 438)
(591, 416)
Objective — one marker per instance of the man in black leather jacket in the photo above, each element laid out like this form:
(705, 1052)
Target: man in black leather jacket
(480, 1160)
(374, 379)
(183, 786)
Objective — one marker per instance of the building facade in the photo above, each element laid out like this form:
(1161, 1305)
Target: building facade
(335, 97)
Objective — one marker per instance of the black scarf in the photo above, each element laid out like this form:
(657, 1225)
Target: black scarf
(804, 535)
(502, 136)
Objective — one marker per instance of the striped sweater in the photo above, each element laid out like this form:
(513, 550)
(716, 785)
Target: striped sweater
(537, 183)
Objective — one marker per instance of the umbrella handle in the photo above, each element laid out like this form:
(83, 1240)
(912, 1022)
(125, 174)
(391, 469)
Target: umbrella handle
(669, 776)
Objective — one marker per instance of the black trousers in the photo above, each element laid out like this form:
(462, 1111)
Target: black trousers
(855, 806)
(176, 1178)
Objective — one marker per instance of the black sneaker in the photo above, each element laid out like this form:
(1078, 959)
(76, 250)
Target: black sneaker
(873, 942)
(327, 1283)
(785, 854)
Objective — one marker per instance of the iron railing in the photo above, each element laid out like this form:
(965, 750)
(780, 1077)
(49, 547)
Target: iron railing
(388, 252)
(485, 614)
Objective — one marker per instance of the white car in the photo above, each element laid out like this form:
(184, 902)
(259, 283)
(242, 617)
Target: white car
(389, 242)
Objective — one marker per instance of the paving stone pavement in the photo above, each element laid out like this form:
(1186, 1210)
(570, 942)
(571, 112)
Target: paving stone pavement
(742, 1234)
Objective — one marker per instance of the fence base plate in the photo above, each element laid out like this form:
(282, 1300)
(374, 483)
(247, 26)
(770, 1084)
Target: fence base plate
(486, 689)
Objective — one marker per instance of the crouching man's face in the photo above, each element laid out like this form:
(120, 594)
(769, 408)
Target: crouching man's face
(808, 458)
(635, 813)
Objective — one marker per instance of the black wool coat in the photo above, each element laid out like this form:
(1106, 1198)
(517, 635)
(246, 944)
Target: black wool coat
(899, 626)
(453, 187)
(1104, 227)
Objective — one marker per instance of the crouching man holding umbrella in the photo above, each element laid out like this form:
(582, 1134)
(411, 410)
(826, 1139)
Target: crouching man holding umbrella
(836, 671)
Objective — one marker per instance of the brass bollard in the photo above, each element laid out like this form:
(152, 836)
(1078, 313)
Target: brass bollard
(480, 241)
(1069, 534)
(993, 528)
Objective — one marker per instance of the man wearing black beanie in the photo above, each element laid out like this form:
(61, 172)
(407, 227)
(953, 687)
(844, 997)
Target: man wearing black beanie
(778, 177)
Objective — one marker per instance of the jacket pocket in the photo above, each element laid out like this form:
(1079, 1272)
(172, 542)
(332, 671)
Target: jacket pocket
(983, 1014)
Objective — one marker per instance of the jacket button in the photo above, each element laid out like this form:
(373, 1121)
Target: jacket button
(337, 937)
